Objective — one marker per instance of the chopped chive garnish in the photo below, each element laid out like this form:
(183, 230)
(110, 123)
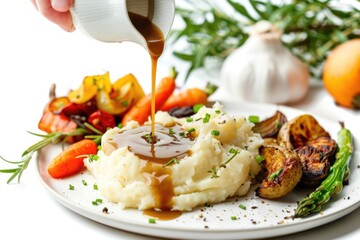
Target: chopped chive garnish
(215, 133)
(217, 111)
(191, 130)
(97, 201)
(152, 220)
(173, 160)
(259, 159)
(84, 182)
(243, 207)
(181, 134)
(234, 218)
(148, 138)
(120, 125)
(125, 103)
(189, 119)
(275, 174)
(254, 119)
(71, 187)
(197, 107)
(206, 119)
(95, 187)
(171, 131)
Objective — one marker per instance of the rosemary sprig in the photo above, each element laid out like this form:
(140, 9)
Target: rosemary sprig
(310, 28)
(47, 139)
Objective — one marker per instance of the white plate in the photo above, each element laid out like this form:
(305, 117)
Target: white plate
(262, 218)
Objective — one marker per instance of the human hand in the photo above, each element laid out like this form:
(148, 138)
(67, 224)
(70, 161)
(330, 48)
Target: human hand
(57, 11)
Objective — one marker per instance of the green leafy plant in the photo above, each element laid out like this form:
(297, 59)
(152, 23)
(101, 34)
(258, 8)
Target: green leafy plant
(311, 28)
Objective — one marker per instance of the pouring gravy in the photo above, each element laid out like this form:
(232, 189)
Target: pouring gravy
(163, 145)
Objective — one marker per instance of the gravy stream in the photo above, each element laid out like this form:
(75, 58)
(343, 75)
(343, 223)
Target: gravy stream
(162, 146)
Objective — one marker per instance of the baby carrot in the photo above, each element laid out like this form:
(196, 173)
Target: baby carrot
(186, 98)
(141, 111)
(70, 161)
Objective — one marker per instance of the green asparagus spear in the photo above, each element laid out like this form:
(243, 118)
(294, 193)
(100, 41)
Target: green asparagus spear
(333, 183)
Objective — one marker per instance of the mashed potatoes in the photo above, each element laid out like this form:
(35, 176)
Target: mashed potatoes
(221, 164)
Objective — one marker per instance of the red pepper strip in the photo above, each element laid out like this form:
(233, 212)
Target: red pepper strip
(102, 120)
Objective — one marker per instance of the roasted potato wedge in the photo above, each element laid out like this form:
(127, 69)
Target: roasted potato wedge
(284, 171)
(270, 127)
(315, 165)
(299, 131)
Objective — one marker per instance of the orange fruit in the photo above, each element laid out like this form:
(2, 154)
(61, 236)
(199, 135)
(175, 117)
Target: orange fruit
(341, 74)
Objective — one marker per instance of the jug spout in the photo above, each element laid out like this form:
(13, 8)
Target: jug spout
(109, 21)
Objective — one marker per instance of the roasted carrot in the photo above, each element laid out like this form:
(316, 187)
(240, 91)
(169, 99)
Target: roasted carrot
(141, 111)
(186, 98)
(70, 161)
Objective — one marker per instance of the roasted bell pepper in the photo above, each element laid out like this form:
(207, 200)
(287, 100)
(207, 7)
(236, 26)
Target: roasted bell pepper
(90, 87)
(102, 120)
(126, 91)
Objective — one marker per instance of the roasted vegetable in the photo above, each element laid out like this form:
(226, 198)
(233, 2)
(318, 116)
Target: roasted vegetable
(71, 160)
(315, 165)
(284, 171)
(326, 145)
(299, 131)
(89, 88)
(333, 184)
(141, 111)
(102, 120)
(270, 127)
(113, 98)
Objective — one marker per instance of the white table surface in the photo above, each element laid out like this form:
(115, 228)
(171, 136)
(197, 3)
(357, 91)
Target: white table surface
(35, 53)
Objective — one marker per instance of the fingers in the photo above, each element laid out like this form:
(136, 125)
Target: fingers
(61, 5)
(57, 11)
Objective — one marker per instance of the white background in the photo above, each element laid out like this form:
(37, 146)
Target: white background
(35, 53)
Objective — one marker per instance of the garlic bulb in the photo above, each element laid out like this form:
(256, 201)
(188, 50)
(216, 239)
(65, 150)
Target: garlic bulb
(263, 70)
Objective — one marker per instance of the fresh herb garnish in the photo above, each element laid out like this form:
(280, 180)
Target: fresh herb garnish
(191, 130)
(71, 187)
(152, 220)
(234, 218)
(259, 159)
(93, 157)
(254, 119)
(213, 172)
(215, 133)
(206, 119)
(275, 174)
(189, 119)
(232, 151)
(243, 207)
(84, 182)
(171, 161)
(95, 187)
(97, 201)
